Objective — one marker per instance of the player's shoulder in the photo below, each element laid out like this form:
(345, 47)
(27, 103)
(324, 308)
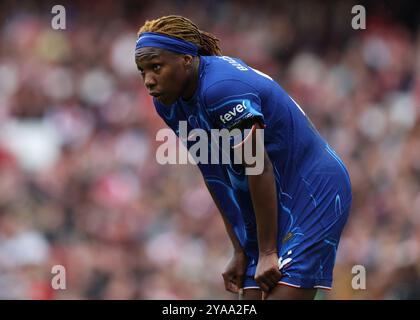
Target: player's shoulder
(225, 76)
(224, 68)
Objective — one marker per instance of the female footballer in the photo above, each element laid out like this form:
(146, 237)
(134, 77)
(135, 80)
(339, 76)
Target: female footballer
(286, 221)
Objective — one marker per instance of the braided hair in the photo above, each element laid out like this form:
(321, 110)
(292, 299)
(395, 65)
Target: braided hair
(185, 29)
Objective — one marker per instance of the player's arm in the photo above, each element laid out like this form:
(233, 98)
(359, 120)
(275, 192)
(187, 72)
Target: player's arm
(236, 104)
(234, 240)
(263, 193)
(234, 273)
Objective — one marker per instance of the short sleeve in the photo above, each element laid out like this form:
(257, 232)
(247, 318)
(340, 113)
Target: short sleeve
(233, 102)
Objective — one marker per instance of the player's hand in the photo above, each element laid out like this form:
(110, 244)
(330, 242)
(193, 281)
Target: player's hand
(234, 273)
(267, 274)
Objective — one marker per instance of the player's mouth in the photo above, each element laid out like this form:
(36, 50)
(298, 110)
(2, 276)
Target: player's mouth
(155, 94)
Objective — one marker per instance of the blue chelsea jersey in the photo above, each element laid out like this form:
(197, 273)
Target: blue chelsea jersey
(307, 171)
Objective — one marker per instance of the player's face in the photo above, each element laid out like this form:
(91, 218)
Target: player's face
(164, 73)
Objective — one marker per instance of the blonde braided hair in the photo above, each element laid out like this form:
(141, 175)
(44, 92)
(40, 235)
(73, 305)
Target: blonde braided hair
(185, 29)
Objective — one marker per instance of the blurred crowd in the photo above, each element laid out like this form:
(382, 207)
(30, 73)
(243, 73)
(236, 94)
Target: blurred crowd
(80, 186)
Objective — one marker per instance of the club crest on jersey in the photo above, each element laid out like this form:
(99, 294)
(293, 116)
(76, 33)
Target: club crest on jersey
(232, 113)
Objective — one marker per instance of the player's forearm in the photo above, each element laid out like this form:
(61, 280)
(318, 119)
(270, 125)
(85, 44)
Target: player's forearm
(229, 229)
(232, 236)
(263, 193)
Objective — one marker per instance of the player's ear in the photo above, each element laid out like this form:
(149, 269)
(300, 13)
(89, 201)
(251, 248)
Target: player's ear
(188, 59)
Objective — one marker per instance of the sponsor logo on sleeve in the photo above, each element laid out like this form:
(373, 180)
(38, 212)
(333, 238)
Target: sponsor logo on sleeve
(233, 112)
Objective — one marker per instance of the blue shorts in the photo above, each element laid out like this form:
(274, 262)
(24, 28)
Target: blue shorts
(307, 253)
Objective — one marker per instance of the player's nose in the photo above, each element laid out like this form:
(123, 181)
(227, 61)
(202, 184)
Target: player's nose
(150, 81)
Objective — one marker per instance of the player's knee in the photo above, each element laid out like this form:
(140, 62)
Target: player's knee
(251, 294)
(282, 292)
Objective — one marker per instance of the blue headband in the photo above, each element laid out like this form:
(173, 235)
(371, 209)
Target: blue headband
(157, 40)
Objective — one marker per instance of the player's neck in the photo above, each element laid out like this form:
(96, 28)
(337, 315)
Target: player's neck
(192, 83)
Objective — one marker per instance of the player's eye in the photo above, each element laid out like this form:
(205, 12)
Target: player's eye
(156, 67)
(141, 71)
